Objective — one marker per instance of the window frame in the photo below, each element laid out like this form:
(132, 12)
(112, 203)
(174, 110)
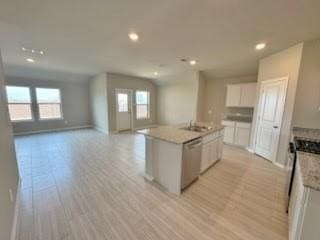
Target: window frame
(38, 108)
(148, 105)
(31, 103)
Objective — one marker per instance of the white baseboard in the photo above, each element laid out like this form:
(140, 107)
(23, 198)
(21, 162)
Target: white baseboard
(148, 177)
(52, 130)
(279, 165)
(143, 127)
(250, 150)
(16, 213)
(101, 130)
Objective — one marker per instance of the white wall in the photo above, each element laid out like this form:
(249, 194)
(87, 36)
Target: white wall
(283, 64)
(307, 104)
(177, 99)
(8, 165)
(215, 98)
(201, 103)
(75, 105)
(98, 102)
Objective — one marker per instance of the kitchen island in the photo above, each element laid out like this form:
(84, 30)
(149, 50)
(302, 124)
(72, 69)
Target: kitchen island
(176, 155)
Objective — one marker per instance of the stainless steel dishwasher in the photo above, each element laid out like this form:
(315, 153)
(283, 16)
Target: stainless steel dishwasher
(191, 162)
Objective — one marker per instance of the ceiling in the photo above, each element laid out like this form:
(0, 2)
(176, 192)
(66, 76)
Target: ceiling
(82, 38)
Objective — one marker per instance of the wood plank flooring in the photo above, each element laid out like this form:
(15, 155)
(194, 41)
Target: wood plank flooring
(86, 185)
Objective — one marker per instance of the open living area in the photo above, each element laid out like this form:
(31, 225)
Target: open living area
(159, 120)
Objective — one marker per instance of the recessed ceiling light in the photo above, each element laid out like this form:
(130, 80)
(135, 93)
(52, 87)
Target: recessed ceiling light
(156, 73)
(134, 36)
(30, 60)
(193, 62)
(32, 50)
(260, 46)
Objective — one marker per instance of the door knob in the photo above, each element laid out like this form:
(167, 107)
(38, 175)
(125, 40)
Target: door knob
(275, 126)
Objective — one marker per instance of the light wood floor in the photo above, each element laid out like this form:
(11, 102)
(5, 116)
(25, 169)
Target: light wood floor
(85, 185)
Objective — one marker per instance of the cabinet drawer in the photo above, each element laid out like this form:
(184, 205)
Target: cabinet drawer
(228, 123)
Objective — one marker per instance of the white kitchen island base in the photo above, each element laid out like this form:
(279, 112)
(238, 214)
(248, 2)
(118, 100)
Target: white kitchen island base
(164, 163)
(175, 157)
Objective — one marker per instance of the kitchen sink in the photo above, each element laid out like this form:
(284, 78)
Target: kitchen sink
(196, 128)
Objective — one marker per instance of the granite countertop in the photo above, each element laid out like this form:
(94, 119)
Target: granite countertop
(175, 134)
(309, 163)
(310, 169)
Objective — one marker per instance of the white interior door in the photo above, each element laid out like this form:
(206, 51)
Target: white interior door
(270, 112)
(124, 102)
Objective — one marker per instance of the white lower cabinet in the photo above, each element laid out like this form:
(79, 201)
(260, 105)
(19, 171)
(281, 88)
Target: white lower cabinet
(242, 136)
(228, 134)
(237, 133)
(304, 211)
(211, 149)
(205, 156)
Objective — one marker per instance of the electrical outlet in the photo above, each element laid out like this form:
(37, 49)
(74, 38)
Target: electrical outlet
(66, 122)
(10, 195)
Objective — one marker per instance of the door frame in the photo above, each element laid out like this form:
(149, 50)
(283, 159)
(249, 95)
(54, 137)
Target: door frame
(259, 109)
(131, 106)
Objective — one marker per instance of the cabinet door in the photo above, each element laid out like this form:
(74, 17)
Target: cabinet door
(233, 95)
(228, 134)
(205, 156)
(296, 205)
(248, 95)
(214, 146)
(242, 136)
(220, 149)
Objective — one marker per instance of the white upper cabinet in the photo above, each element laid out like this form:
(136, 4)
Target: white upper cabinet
(233, 95)
(241, 95)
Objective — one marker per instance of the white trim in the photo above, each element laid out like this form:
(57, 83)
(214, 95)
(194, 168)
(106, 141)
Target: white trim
(250, 150)
(16, 213)
(116, 131)
(117, 90)
(52, 130)
(143, 127)
(101, 130)
(135, 105)
(286, 80)
(148, 177)
(279, 165)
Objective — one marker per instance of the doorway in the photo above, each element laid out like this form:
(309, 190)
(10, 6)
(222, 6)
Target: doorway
(269, 118)
(124, 109)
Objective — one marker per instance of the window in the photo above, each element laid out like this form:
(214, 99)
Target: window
(49, 103)
(142, 104)
(19, 103)
(123, 102)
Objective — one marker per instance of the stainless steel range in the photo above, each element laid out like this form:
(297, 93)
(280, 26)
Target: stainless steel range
(307, 145)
